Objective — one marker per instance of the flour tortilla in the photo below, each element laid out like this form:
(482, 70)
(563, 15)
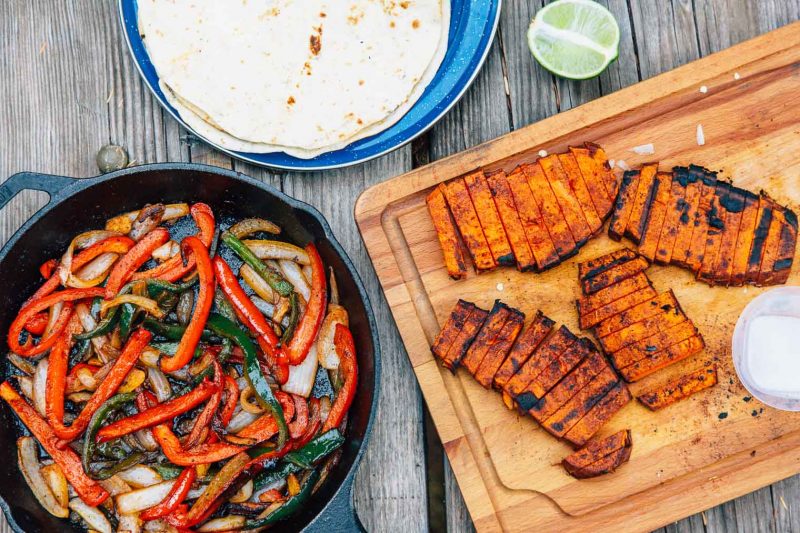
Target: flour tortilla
(377, 82)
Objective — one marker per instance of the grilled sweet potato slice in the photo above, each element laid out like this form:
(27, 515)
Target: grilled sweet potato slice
(541, 245)
(679, 389)
(654, 343)
(605, 465)
(570, 208)
(692, 182)
(597, 449)
(602, 412)
(571, 385)
(601, 162)
(591, 302)
(489, 218)
(594, 175)
(744, 241)
(469, 226)
(706, 205)
(546, 353)
(552, 218)
(614, 275)
(530, 339)
(448, 234)
(786, 249)
(778, 249)
(486, 336)
(673, 354)
(581, 191)
(509, 216)
(660, 322)
(454, 324)
(676, 208)
(651, 307)
(593, 318)
(658, 211)
(499, 349)
(643, 199)
(765, 208)
(716, 227)
(464, 339)
(575, 352)
(624, 204)
(598, 265)
(734, 205)
(579, 405)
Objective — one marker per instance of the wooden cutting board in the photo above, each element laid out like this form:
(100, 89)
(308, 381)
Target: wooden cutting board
(691, 456)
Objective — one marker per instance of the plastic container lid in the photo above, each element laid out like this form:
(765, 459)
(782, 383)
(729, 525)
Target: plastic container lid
(766, 348)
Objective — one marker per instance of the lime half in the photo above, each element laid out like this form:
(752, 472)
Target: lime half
(575, 39)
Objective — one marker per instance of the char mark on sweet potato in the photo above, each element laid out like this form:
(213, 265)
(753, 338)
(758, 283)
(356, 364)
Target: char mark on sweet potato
(706, 205)
(662, 187)
(665, 301)
(692, 184)
(592, 302)
(614, 275)
(679, 389)
(593, 318)
(640, 330)
(662, 359)
(486, 336)
(499, 349)
(489, 218)
(716, 227)
(733, 205)
(596, 449)
(565, 196)
(552, 218)
(581, 191)
(676, 208)
(446, 231)
(778, 249)
(653, 344)
(469, 226)
(745, 238)
(640, 209)
(454, 324)
(579, 405)
(574, 353)
(547, 352)
(786, 249)
(509, 216)
(624, 204)
(594, 175)
(602, 412)
(598, 265)
(606, 465)
(536, 232)
(464, 339)
(759, 238)
(530, 339)
(606, 174)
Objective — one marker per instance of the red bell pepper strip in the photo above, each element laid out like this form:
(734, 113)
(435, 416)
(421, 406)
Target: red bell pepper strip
(47, 268)
(108, 386)
(89, 491)
(205, 417)
(249, 314)
(314, 423)
(130, 262)
(176, 495)
(158, 414)
(38, 323)
(298, 426)
(346, 350)
(202, 306)
(34, 307)
(174, 268)
(307, 328)
(231, 401)
(58, 363)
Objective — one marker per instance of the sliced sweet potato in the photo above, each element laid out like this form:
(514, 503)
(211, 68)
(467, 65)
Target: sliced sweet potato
(786, 249)
(614, 275)
(565, 196)
(734, 207)
(640, 209)
(602, 412)
(663, 302)
(464, 339)
(593, 318)
(653, 363)
(601, 162)
(447, 233)
(486, 336)
(594, 175)
(499, 349)
(530, 339)
(708, 190)
(653, 344)
(716, 227)
(676, 208)
(591, 302)
(455, 322)
(575, 352)
(662, 187)
(541, 245)
(552, 218)
(596, 449)
(469, 226)
(639, 331)
(546, 353)
(509, 216)
(779, 244)
(606, 465)
(744, 241)
(679, 389)
(624, 204)
(598, 265)
(571, 385)
(765, 208)
(581, 191)
(691, 180)
(489, 218)
(579, 405)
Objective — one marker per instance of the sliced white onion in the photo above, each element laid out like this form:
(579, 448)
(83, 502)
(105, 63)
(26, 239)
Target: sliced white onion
(257, 283)
(26, 386)
(158, 526)
(88, 322)
(226, 523)
(241, 420)
(140, 476)
(114, 485)
(160, 384)
(144, 498)
(294, 275)
(326, 348)
(166, 250)
(301, 377)
(244, 493)
(171, 212)
(146, 439)
(266, 249)
(83, 240)
(22, 363)
(28, 459)
(95, 271)
(55, 311)
(308, 272)
(93, 517)
(150, 357)
(40, 387)
(129, 523)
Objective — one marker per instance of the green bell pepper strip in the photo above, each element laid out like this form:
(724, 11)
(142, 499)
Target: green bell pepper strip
(106, 410)
(273, 278)
(168, 471)
(129, 461)
(223, 306)
(290, 507)
(103, 327)
(154, 285)
(172, 332)
(126, 320)
(305, 457)
(252, 370)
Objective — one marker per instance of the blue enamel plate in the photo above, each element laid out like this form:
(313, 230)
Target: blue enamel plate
(472, 27)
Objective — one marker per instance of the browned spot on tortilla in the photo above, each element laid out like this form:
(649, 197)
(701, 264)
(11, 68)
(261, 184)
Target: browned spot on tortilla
(361, 82)
(415, 24)
(291, 100)
(359, 122)
(392, 24)
(315, 44)
(404, 5)
(323, 14)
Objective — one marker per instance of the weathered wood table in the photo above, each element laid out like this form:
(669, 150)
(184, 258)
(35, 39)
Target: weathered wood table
(68, 86)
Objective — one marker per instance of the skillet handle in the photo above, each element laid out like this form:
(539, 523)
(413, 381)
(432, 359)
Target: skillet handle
(48, 183)
(340, 514)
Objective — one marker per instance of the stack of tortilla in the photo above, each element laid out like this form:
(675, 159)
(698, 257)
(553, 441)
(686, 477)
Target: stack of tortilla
(302, 77)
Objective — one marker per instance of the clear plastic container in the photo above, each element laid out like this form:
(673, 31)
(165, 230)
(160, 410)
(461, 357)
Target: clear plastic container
(766, 348)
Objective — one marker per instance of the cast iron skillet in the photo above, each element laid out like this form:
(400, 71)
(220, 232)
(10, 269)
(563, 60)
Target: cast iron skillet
(78, 205)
